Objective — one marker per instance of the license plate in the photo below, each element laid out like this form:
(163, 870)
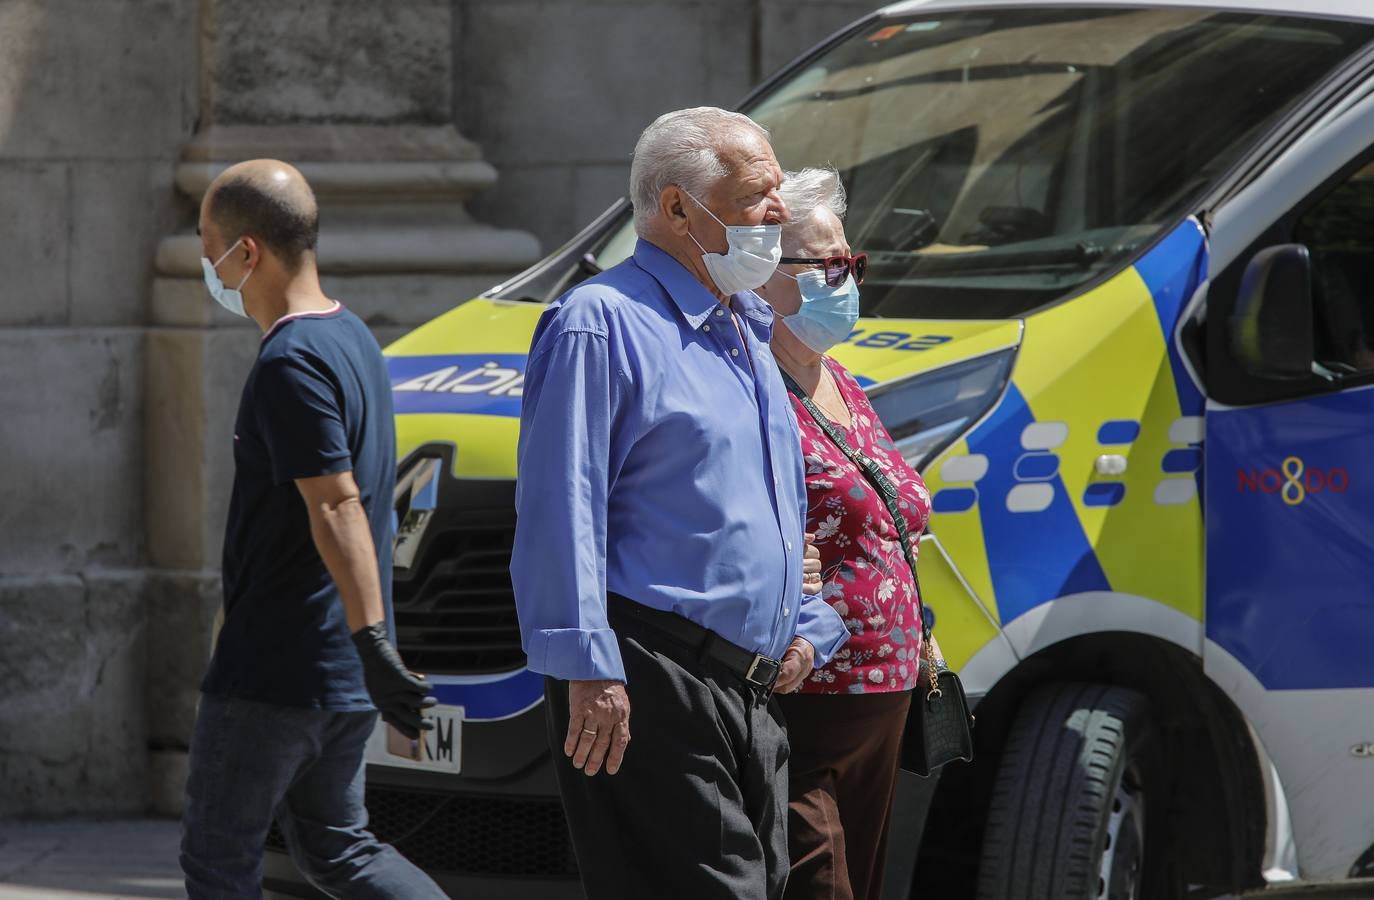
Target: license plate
(441, 750)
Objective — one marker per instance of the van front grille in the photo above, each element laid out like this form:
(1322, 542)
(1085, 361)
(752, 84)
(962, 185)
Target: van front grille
(469, 834)
(456, 614)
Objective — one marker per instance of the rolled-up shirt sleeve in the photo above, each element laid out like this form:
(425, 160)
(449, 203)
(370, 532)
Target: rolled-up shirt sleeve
(558, 565)
(822, 627)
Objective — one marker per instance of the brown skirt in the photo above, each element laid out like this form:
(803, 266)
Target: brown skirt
(842, 776)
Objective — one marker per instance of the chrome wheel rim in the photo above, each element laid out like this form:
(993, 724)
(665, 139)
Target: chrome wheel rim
(1123, 856)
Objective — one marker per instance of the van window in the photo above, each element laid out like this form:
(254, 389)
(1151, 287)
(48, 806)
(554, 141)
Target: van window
(1339, 234)
(998, 160)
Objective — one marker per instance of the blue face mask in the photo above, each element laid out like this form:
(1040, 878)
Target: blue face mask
(828, 314)
(230, 298)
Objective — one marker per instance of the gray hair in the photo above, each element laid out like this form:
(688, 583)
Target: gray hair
(682, 148)
(810, 189)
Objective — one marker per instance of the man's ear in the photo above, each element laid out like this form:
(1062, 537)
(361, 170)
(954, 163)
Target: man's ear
(252, 251)
(672, 204)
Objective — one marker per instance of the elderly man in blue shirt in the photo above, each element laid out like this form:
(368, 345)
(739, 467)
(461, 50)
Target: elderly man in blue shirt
(659, 547)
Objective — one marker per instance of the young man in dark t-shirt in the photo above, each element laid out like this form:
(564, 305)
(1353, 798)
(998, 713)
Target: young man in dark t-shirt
(303, 663)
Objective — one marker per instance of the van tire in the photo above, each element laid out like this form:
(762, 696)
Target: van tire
(1081, 764)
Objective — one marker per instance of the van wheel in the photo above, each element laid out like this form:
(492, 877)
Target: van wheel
(1076, 800)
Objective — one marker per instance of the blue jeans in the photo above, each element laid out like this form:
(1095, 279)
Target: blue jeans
(251, 761)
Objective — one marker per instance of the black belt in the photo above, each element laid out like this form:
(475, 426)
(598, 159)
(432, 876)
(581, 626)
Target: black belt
(754, 669)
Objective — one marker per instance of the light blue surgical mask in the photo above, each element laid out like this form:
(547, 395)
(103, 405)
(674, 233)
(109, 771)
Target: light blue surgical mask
(828, 314)
(230, 298)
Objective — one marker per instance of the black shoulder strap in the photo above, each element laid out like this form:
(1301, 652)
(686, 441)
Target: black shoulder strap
(872, 471)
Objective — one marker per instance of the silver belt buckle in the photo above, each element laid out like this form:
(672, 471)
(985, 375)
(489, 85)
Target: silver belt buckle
(770, 666)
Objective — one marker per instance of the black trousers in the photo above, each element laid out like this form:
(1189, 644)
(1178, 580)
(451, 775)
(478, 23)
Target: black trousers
(699, 808)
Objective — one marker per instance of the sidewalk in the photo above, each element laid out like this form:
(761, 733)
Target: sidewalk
(88, 860)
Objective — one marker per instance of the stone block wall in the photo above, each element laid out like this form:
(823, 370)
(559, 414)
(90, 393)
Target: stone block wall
(557, 91)
(118, 377)
(357, 95)
(96, 100)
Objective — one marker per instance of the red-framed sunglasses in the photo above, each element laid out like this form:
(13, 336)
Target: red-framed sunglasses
(837, 268)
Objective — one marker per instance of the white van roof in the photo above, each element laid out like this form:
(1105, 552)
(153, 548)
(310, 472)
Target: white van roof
(1346, 9)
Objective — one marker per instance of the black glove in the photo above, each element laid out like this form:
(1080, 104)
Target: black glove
(399, 693)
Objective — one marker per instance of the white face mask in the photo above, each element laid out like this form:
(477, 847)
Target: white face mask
(753, 255)
(229, 298)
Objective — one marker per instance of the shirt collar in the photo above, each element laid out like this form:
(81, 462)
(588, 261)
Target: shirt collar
(751, 305)
(690, 295)
(334, 307)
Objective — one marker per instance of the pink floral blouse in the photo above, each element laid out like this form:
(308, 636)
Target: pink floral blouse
(867, 579)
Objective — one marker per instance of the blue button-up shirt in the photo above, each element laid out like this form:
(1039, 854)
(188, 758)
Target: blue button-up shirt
(659, 459)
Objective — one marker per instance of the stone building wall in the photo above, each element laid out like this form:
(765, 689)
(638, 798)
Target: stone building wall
(118, 376)
(96, 100)
(557, 91)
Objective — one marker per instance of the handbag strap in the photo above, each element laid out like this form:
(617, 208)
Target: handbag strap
(878, 479)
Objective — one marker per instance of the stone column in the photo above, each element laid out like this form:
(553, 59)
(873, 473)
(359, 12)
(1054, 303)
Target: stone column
(358, 96)
(96, 100)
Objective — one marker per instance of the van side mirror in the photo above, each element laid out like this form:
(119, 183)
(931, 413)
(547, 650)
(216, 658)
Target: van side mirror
(1272, 326)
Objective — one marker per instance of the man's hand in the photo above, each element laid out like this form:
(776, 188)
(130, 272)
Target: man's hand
(797, 664)
(598, 725)
(811, 568)
(400, 694)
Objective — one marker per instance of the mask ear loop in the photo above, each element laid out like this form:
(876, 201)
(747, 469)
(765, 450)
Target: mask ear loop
(246, 275)
(798, 281)
(709, 213)
(703, 206)
(215, 264)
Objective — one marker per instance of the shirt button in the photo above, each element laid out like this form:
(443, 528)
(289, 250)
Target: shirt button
(734, 351)
(786, 612)
(720, 312)
(706, 328)
(789, 545)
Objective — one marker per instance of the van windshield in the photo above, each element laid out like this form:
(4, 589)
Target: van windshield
(998, 159)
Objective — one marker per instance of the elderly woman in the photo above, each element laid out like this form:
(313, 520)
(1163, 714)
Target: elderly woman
(845, 721)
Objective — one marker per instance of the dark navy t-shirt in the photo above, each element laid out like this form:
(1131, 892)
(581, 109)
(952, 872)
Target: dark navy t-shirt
(317, 402)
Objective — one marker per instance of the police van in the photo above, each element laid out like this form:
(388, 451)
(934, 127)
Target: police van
(1120, 314)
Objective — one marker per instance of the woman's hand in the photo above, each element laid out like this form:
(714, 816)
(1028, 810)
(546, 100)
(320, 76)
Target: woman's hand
(934, 648)
(811, 568)
(797, 664)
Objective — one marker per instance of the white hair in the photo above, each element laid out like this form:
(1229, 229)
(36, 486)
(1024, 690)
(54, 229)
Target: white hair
(682, 148)
(810, 189)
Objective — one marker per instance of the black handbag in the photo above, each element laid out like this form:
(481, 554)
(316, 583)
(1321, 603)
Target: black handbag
(939, 728)
(943, 731)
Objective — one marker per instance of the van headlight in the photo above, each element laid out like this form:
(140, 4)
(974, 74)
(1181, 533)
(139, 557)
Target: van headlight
(413, 502)
(926, 413)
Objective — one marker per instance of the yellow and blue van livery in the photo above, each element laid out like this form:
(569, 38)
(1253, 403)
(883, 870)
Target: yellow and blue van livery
(1023, 504)
(1120, 314)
